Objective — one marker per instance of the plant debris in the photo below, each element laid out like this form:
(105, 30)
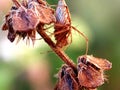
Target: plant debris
(89, 75)
(24, 17)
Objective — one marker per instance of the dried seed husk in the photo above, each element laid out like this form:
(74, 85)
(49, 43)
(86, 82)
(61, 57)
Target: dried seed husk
(24, 17)
(66, 79)
(90, 73)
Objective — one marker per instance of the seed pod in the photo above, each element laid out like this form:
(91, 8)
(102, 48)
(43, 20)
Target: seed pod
(67, 79)
(91, 71)
(24, 18)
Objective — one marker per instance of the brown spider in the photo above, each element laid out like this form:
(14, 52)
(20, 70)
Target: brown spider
(63, 26)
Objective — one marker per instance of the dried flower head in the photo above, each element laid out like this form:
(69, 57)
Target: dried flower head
(24, 18)
(67, 79)
(91, 71)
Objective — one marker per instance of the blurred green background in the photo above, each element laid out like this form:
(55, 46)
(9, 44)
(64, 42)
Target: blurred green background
(27, 67)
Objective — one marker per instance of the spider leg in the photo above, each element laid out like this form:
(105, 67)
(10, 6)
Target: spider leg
(85, 37)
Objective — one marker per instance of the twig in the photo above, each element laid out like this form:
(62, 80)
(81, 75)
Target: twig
(56, 49)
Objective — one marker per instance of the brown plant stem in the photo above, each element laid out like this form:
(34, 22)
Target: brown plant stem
(56, 49)
(16, 3)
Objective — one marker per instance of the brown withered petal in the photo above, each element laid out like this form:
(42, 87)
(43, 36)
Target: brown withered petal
(21, 34)
(67, 79)
(46, 14)
(11, 33)
(99, 62)
(90, 74)
(11, 36)
(32, 35)
(89, 77)
(5, 24)
(24, 19)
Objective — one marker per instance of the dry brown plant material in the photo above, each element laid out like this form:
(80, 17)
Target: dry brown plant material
(63, 26)
(89, 75)
(24, 17)
(66, 79)
(91, 71)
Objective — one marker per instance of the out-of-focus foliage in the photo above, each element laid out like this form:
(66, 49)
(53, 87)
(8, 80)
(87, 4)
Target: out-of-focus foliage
(97, 19)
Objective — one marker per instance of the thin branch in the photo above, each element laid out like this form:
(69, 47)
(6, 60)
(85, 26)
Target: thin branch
(56, 49)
